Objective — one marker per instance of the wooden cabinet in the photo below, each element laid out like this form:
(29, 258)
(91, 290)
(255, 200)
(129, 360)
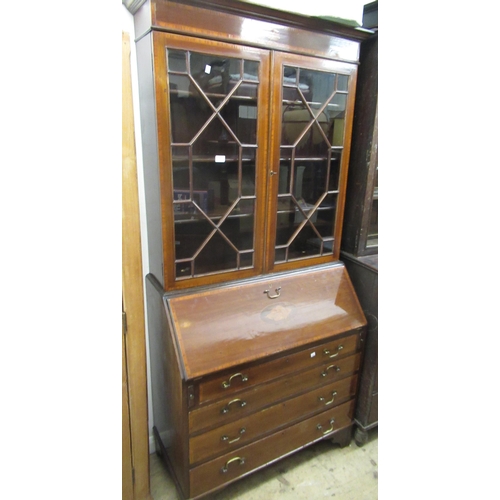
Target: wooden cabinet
(256, 334)
(248, 379)
(246, 146)
(360, 234)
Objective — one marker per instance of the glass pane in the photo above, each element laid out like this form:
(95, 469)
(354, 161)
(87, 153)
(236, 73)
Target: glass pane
(312, 138)
(239, 226)
(285, 221)
(186, 102)
(342, 82)
(245, 90)
(183, 269)
(290, 76)
(336, 112)
(248, 172)
(310, 181)
(212, 72)
(324, 222)
(333, 182)
(284, 180)
(325, 217)
(191, 230)
(280, 255)
(320, 86)
(246, 260)
(302, 245)
(215, 141)
(177, 60)
(217, 255)
(180, 167)
(220, 181)
(322, 246)
(214, 146)
(243, 122)
(295, 120)
(251, 70)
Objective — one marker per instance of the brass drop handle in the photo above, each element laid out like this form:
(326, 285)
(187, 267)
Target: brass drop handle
(334, 393)
(225, 468)
(227, 384)
(320, 427)
(325, 373)
(278, 292)
(226, 438)
(326, 352)
(226, 408)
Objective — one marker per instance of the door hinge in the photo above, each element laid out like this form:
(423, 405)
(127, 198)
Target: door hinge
(124, 322)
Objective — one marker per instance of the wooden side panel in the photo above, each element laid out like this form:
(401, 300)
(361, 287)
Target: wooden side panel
(169, 393)
(132, 283)
(150, 156)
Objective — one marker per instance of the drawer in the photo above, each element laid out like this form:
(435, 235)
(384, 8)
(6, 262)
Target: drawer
(255, 398)
(239, 379)
(248, 458)
(235, 434)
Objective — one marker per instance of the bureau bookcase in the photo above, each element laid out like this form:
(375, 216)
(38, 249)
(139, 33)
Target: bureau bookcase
(256, 333)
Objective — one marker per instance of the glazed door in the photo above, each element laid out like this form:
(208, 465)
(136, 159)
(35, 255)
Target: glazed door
(212, 112)
(313, 101)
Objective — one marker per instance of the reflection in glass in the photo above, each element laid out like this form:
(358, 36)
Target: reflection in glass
(213, 116)
(177, 60)
(312, 137)
(224, 253)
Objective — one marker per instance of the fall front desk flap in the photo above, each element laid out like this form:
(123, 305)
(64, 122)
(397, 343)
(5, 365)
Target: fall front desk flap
(222, 327)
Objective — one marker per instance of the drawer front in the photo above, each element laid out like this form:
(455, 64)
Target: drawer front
(253, 399)
(231, 382)
(249, 458)
(235, 434)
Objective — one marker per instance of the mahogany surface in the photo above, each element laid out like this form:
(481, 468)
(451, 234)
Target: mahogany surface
(266, 421)
(209, 475)
(223, 327)
(241, 23)
(263, 371)
(256, 398)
